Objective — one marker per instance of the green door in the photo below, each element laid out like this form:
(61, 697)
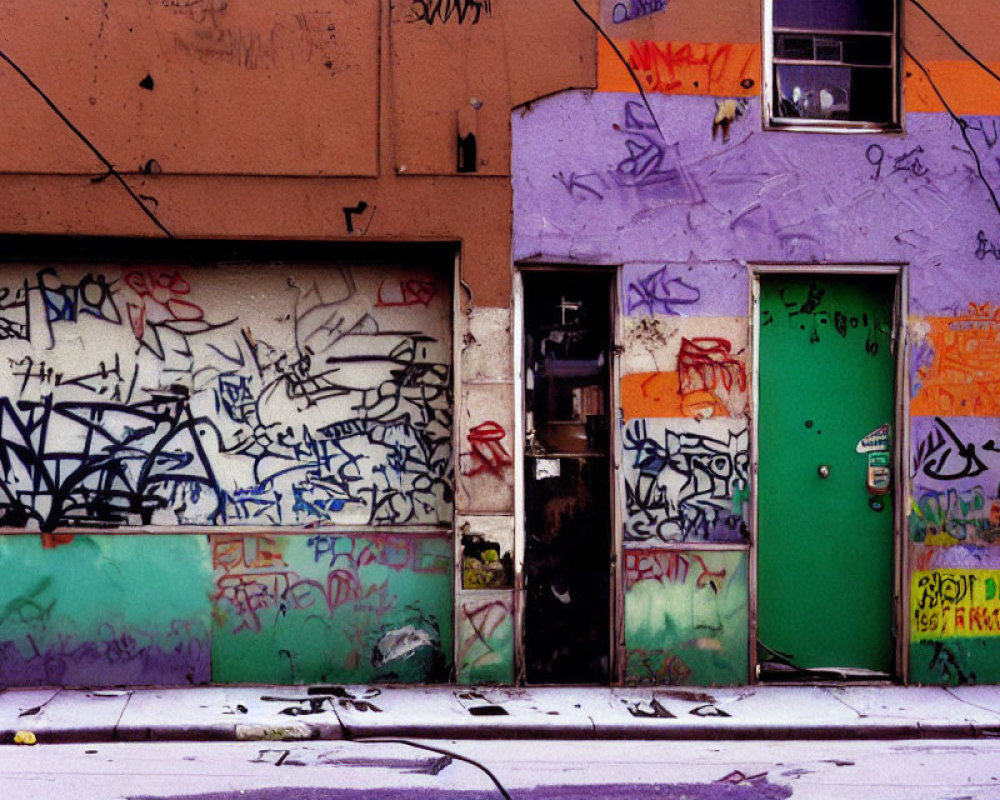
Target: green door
(825, 534)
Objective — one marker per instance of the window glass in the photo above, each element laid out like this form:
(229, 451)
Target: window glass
(834, 61)
(871, 50)
(833, 15)
(833, 93)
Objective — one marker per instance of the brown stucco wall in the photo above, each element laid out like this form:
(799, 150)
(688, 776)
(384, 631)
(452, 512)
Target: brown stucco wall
(267, 123)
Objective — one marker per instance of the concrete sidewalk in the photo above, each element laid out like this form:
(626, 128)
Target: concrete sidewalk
(233, 713)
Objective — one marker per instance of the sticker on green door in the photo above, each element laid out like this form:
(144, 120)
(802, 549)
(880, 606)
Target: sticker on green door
(826, 391)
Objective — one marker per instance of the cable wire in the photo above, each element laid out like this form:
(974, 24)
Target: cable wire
(955, 41)
(441, 751)
(621, 57)
(82, 137)
(962, 126)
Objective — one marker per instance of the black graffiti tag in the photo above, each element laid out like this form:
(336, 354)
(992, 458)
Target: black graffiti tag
(945, 457)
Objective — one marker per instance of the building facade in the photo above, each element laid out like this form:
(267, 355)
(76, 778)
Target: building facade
(488, 342)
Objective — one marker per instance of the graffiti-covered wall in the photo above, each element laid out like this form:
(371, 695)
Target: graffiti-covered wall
(955, 502)
(687, 194)
(685, 464)
(164, 396)
(685, 616)
(169, 404)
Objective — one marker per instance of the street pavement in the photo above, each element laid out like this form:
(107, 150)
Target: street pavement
(524, 770)
(539, 743)
(242, 713)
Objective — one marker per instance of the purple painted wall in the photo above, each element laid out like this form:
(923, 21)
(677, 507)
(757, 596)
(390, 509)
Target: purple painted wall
(598, 180)
(594, 182)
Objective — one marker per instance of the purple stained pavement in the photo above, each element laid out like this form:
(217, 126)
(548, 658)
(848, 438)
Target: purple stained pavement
(736, 786)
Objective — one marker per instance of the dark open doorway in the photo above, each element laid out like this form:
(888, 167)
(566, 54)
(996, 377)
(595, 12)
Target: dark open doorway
(567, 475)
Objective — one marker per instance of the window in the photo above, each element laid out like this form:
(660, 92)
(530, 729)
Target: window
(831, 63)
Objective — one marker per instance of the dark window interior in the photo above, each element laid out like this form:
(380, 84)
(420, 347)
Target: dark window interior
(851, 75)
(836, 93)
(834, 15)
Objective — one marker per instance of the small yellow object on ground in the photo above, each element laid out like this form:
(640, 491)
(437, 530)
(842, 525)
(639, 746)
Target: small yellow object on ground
(24, 737)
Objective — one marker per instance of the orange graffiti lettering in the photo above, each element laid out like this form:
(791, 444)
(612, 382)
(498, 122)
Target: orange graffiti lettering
(957, 365)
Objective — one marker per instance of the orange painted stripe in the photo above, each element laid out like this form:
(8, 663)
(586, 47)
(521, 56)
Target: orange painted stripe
(733, 69)
(966, 87)
(651, 394)
(658, 394)
(718, 69)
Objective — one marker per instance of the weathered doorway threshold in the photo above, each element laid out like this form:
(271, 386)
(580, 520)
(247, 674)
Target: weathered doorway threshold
(773, 666)
(778, 672)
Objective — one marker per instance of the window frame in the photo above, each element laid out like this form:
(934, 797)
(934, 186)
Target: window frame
(773, 122)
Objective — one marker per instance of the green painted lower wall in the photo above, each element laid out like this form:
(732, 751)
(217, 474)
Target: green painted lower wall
(188, 609)
(973, 660)
(686, 617)
(954, 613)
(332, 608)
(104, 610)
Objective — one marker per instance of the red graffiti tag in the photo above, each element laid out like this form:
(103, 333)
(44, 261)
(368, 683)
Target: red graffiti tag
(706, 363)
(409, 293)
(487, 452)
(667, 66)
(713, 578)
(483, 620)
(161, 293)
(663, 567)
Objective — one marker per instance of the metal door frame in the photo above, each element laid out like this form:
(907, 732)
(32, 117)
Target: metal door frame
(616, 643)
(900, 447)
